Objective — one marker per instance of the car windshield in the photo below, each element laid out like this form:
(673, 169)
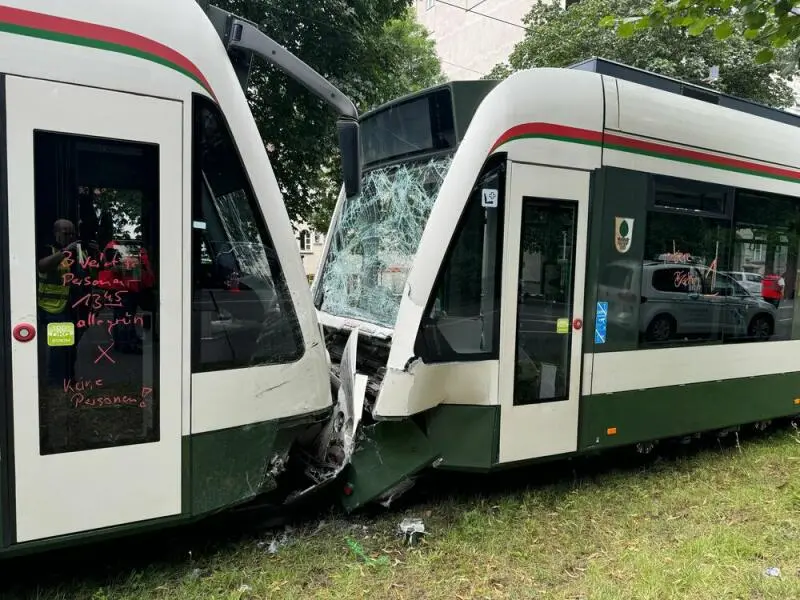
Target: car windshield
(375, 238)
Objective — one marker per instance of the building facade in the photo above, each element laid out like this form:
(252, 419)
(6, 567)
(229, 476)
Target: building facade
(310, 244)
(472, 36)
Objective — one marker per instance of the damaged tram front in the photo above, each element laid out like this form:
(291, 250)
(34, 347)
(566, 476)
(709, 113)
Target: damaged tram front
(408, 148)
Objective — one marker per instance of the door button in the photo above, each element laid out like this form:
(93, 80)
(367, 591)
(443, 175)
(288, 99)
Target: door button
(577, 324)
(24, 332)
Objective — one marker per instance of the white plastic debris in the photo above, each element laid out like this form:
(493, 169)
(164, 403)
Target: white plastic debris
(412, 529)
(773, 572)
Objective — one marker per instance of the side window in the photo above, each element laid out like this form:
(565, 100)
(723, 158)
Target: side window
(767, 244)
(687, 244)
(463, 318)
(242, 312)
(96, 208)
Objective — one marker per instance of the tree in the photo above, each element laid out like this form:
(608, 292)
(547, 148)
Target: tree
(372, 50)
(773, 25)
(558, 37)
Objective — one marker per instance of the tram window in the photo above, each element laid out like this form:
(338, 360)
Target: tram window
(547, 257)
(767, 244)
(242, 312)
(688, 195)
(683, 300)
(98, 342)
(463, 320)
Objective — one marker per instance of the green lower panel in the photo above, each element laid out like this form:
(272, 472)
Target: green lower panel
(652, 414)
(389, 452)
(232, 466)
(465, 437)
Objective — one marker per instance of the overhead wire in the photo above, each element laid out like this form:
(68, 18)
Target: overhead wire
(471, 11)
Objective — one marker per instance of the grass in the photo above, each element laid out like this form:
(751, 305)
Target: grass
(689, 525)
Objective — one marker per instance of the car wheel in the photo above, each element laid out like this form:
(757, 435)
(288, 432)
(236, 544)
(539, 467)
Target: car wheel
(661, 329)
(760, 327)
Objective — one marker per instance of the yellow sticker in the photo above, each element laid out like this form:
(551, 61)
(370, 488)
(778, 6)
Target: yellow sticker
(562, 326)
(60, 334)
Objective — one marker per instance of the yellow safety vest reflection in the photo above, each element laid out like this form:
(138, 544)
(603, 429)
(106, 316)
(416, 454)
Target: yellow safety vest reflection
(52, 293)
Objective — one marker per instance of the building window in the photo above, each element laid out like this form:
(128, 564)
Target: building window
(429, 4)
(242, 312)
(305, 241)
(463, 316)
(97, 269)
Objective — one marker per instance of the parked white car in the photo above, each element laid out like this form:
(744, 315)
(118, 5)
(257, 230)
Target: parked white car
(676, 300)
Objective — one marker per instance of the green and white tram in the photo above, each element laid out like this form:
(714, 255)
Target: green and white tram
(161, 352)
(562, 262)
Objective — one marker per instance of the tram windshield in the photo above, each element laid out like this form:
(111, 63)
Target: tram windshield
(407, 150)
(375, 238)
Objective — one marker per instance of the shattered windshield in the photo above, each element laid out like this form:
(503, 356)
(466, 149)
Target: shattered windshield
(375, 239)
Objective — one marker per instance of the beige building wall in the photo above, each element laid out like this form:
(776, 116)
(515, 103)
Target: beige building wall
(472, 36)
(309, 244)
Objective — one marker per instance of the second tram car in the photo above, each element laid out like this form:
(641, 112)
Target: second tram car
(547, 266)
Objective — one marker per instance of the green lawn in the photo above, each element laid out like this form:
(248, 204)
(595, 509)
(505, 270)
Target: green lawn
(694, 525)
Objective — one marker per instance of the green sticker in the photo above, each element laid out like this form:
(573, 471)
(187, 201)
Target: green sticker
(562, 326)
(60, 334)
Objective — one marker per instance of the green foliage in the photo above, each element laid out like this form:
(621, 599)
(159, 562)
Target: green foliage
(773, 24)
(559, 37)
(372, 50)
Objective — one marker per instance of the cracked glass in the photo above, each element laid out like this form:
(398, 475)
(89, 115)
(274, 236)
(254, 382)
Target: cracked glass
(375, 238)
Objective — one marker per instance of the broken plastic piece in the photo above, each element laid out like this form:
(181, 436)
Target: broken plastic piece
(337, 441)
(773, 572)
(413, 529)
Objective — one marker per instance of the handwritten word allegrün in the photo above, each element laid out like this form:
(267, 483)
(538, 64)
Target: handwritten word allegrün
(92, 320)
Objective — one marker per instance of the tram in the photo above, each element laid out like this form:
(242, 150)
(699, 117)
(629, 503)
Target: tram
(161, 353)
(562, 262)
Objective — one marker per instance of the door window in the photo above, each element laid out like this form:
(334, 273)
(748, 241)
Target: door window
(96, 210)
(544, 316)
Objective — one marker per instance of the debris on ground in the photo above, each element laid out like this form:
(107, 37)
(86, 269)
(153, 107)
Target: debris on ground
(773, 572)
(279, 540)
(359, 552)
(412, 529)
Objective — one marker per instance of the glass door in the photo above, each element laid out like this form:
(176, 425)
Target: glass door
(94, 192)
(542, 311)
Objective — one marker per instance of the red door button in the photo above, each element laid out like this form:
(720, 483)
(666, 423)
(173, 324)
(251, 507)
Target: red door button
(24, 332)
(577, 324)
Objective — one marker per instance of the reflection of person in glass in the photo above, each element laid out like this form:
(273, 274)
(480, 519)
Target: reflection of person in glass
(127, 273)
(54, 297)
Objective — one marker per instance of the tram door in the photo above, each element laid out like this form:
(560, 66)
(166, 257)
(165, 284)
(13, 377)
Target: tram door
(95, 432)
(541, 311)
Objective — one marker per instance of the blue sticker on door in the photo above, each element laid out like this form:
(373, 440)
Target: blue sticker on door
(600, 320)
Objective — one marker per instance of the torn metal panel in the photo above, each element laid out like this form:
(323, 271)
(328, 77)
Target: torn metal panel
(373, 243)
(336, 443)
(388, 454)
